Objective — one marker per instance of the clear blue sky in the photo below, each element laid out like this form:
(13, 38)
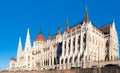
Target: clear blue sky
(17, 15)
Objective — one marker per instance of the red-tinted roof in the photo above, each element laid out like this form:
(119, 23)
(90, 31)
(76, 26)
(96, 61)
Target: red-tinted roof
(40, 37)
(78, 26)
(106, 29)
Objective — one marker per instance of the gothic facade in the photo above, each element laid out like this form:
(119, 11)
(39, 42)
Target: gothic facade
(79, 46)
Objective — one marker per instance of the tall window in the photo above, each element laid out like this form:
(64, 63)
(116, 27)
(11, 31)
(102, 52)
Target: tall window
(62, 61)
(65, 48)
(69, 47)
(74, 45)
(66, 60)
(79, 43)
(70, 60)
(75, 60)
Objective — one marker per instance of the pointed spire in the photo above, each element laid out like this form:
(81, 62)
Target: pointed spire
(40, 30)
(86, 17)
(28, 42)
(67, 25)
(113, 24)
(59, 29)
(48, 35)
(20, 46)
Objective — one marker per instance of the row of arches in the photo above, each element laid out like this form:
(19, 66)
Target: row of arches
(71, 59)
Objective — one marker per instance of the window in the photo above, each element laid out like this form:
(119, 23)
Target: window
(69, 47)
(74, 45)
(65, 48)
(66, 60)
(62, 61)
(70, 60)
(74, 42)
(75, 60)
(79, 40)
(69, 43)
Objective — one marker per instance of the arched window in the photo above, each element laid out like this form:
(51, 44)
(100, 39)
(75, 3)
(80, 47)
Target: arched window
(70, 59)
(75, 59)
(66, 60)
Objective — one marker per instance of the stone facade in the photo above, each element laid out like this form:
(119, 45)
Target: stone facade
(79, 46)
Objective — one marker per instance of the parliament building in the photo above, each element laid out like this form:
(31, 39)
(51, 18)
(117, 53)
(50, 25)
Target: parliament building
(82, 45)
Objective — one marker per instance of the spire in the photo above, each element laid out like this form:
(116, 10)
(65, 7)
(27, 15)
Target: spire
(59, 29)
(40, 30)
(19, 46)
(28, 42)
(48, 35)
(67, 25)
(113, 24)
(86, 17)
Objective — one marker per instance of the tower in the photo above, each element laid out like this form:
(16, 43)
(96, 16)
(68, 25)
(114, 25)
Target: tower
(28, 42)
